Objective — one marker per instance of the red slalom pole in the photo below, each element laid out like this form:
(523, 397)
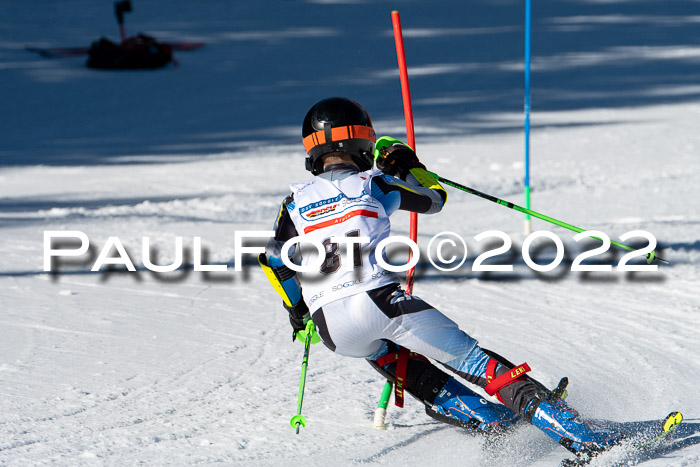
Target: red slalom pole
(380, 412)
(408, 115)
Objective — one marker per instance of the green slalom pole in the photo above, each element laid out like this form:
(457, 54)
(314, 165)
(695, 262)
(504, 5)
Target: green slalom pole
(380, 411)
(650, 256)
(298, 420)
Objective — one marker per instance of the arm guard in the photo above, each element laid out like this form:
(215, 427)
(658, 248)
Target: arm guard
(282, 278)
(420, 192)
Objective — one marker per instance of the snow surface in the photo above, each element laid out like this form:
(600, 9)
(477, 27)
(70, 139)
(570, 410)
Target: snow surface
(187, 367)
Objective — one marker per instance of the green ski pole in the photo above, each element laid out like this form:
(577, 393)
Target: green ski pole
(650, 256)
(298, 420)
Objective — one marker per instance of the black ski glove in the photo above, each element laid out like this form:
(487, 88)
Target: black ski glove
(398, 159)
(298, 316)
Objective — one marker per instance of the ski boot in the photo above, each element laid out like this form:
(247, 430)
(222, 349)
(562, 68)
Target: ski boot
(564, 425)
(457, 405)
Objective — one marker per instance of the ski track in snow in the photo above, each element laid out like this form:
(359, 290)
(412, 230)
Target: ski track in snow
(185, 367)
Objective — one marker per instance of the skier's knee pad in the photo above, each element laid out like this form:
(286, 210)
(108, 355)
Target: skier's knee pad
(423, 379)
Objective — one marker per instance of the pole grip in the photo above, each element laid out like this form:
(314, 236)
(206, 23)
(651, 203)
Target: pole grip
(408, 116)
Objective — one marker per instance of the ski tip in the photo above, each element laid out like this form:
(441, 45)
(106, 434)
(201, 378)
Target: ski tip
(672, 420)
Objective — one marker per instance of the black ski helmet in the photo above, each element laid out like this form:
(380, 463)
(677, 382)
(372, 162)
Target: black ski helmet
(338, 124)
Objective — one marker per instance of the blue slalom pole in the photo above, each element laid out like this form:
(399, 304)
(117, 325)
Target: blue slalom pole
(528, 15)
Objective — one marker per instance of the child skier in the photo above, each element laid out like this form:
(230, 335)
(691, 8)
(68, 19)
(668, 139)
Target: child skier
(362, 312)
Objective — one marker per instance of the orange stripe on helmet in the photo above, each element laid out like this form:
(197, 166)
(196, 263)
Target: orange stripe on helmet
(340, 134)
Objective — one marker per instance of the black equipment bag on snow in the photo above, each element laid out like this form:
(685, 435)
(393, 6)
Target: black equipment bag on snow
(135, 53)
